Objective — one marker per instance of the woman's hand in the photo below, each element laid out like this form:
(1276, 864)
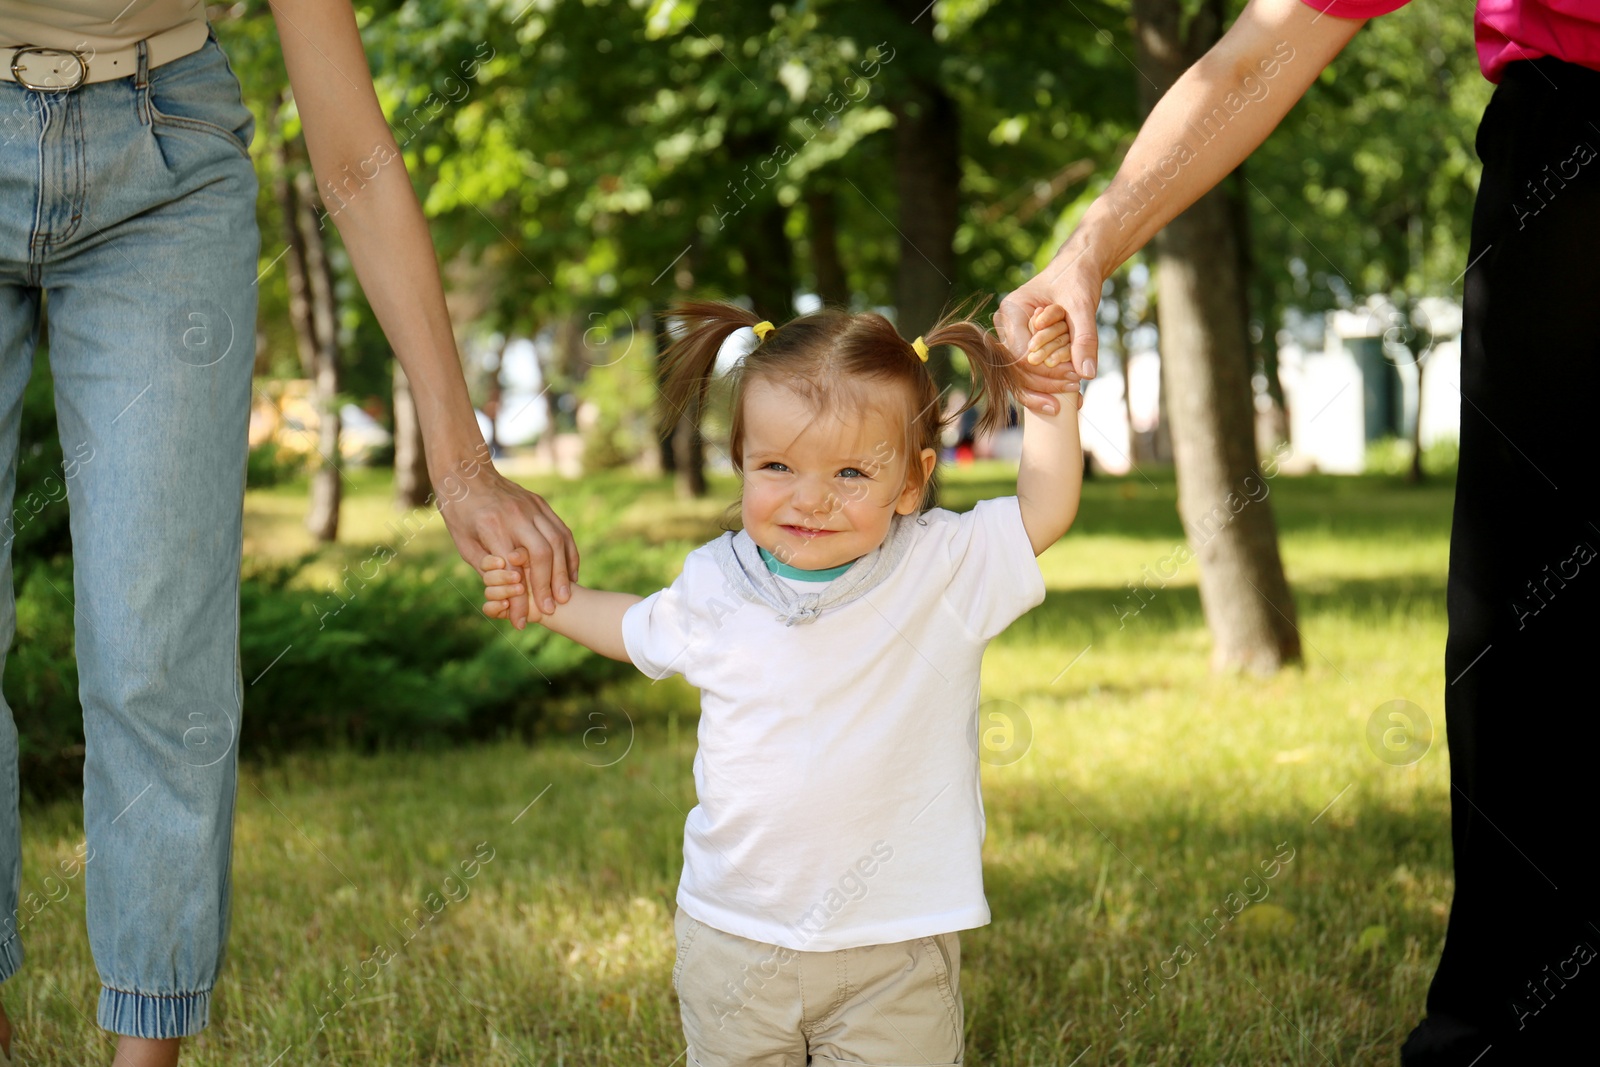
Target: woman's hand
(1054, 310)
(493, 516)
(1271, 53)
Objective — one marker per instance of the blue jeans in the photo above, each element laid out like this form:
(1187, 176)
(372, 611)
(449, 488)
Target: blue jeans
(127, 208)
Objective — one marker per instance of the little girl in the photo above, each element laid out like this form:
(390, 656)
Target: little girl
(836, 639)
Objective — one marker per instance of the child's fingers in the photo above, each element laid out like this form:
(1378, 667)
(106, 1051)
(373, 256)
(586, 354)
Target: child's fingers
(1048, 336)
(501, 592)
(502, 577)
(1052, 352)
(490, 563)
(1045, 315)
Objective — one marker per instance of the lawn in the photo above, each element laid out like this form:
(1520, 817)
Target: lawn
(1129, 843)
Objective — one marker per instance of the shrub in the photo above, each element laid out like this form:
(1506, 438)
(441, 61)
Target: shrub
(36, 527)
(404, 659)
(272, 464)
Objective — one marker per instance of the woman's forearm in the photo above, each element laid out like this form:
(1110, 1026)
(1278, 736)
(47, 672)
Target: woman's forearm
(1213, 116)
(363, 183)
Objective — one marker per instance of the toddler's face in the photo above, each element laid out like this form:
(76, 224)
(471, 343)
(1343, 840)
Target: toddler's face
(820, 489)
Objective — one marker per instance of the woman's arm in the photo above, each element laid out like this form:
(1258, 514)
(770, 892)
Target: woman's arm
(1050, 477)
(592, 617)
(1169, 166)
(364, 185)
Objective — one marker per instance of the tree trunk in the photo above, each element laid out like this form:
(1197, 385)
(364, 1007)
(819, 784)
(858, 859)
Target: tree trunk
(927, 172)
(666, 428)
(492, 402)
(326, 482)
(927, 179)
(1272, 425)
(689, 452)
(565, 354)
(768, 262)
(1416, 475)
(683, 452)
(294, 260)
(833, 285)
(1222, 496)
(412, 486)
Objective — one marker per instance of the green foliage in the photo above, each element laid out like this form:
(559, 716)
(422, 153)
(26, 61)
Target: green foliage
(1392, 456)
(620, 387)
(37, 526)
(402, 659)
(400, 656)
(269, 463)
(41, 679)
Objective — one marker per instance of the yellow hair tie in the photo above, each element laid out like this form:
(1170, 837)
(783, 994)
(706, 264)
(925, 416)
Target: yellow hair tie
(763, 328)
(921, 348)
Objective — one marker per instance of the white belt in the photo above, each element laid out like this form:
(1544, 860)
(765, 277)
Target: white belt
(54, 70)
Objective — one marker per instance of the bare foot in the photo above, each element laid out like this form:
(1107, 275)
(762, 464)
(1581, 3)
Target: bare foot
(146, 1052)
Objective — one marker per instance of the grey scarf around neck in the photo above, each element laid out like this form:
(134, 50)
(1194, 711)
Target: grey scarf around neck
(747, 574)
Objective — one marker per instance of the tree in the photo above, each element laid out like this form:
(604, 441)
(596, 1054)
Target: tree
(1204, 357)
(927, 171)
(412, 485)
(312, 308)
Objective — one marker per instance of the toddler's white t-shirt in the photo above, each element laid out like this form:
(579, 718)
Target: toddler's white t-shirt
(837, 772)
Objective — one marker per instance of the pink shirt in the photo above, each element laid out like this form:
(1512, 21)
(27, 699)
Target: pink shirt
(1508, 30)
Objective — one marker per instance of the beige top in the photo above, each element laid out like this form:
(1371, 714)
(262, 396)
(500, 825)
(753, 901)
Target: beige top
(98, 25)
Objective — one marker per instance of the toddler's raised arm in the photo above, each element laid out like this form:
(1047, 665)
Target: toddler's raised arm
(1050, 478)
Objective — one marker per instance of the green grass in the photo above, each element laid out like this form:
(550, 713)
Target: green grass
(1152, 789)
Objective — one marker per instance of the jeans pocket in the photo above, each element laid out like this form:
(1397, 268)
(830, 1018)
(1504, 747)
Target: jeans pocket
(199, 92)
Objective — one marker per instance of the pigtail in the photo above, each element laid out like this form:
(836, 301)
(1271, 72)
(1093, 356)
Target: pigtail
(998, 377)
(688, 363)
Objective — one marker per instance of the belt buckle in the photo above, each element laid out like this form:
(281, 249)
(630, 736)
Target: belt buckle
(82, 71)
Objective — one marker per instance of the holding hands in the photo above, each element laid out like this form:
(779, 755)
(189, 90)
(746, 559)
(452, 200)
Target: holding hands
(1055, 312)
(494, 514)
(591, 617)
(1051, 345)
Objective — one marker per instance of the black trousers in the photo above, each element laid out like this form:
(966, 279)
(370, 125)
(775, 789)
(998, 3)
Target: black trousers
(1519, 980)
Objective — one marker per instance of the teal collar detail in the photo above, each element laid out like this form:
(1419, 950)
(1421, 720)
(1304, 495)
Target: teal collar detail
(783, 570)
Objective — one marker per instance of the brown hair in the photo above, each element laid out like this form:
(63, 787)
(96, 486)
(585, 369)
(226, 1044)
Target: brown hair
(834, 356)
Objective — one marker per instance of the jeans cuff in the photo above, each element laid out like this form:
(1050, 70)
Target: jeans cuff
(153, 1015)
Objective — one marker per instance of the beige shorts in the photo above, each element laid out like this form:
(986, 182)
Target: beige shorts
(749, 1004)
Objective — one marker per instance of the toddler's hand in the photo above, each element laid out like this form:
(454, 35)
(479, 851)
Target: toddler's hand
(1050, 345)
(1048, 338)
(500, 584)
